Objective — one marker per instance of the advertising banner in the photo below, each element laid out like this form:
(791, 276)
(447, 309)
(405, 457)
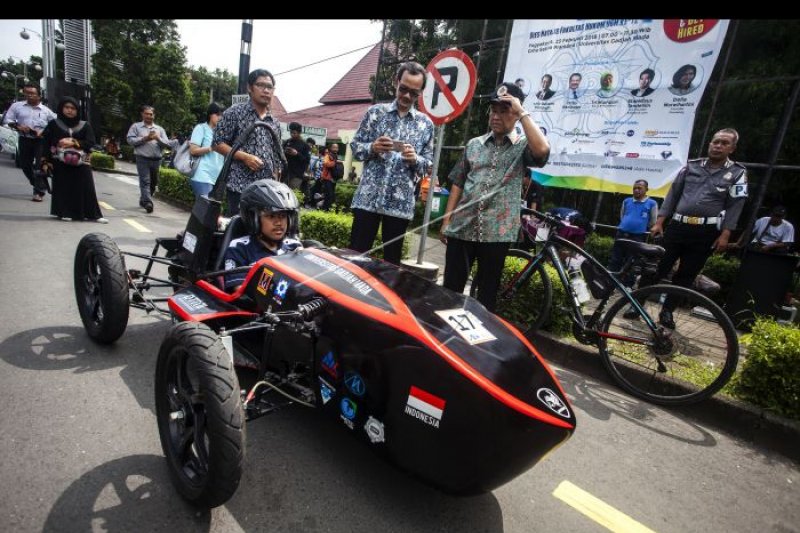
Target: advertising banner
(616, 98)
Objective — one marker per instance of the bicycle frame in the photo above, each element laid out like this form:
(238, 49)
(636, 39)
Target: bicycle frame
(550, 249)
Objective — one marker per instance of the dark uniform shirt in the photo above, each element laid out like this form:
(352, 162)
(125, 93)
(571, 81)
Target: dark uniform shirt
(246, 251)
(702, 191)
(234, 121)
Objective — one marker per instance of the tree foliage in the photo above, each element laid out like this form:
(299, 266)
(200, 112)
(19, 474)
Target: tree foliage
(139, 62)
(10, 85)
(218, 86)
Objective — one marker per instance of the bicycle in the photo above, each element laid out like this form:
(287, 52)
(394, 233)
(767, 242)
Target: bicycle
(667, 366)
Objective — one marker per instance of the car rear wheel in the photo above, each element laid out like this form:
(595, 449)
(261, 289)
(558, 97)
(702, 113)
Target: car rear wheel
(101, 287)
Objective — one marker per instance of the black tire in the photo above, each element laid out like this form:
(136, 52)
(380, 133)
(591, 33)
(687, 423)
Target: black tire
(528, 308)
(101, 287)
(694, 361)
(200, 416)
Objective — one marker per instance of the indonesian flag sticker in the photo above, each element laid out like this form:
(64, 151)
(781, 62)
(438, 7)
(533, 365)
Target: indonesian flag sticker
(424, 406)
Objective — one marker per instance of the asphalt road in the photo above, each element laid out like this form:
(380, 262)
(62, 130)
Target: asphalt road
(80, 448)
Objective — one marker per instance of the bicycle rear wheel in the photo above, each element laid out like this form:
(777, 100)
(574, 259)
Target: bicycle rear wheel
(683, 365)
(526, 306)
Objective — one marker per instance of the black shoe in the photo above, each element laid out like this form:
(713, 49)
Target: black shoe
(148, 206)
(665, 317)
(631, 314)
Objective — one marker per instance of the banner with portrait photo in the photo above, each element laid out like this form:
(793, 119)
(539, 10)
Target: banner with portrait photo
(616, 98)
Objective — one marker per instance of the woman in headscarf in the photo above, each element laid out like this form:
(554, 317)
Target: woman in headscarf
(69, 140)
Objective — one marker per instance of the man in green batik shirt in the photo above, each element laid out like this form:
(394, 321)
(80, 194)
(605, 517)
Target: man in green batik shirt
(482, 216)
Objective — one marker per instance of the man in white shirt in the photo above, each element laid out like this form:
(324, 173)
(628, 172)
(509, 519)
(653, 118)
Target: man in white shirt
(773, 233)
(29, 118)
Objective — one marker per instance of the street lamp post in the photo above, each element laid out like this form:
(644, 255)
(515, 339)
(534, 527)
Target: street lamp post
(23, 76)
(49, 45)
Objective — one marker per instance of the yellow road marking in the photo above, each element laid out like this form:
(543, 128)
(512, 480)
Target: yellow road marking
(105, 205)
(597, 510)
(136, 225)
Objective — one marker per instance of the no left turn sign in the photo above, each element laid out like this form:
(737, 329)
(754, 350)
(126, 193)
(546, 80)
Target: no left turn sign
(449, 87)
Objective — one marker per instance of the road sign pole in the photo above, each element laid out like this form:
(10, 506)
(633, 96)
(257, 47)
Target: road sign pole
(431, 186)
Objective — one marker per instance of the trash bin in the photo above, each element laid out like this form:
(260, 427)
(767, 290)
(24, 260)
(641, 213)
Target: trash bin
(439, 202)
(760, 286)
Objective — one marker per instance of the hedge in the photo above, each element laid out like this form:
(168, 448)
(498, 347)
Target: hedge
(599, 246)
(517, 311)
(770, 374)
(101, 161)
(127, 152)
(723, 270)
(333, 229)
(175, 186)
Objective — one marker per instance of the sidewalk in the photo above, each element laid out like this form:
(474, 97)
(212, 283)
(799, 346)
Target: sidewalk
(751, 423)
(123, 167)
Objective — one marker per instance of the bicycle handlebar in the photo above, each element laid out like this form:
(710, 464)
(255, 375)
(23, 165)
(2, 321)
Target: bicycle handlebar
(547, 217)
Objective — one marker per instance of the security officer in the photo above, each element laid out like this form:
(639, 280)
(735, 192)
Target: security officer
(704, 204)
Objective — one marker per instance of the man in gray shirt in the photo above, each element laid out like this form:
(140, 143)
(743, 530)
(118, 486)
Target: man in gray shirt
(703, 206)
(30, 117)
(147, 139)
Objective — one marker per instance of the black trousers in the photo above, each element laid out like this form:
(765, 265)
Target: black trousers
(365, 228)
(30, 153)
(619, 257)
(692, 245)
(491, 257)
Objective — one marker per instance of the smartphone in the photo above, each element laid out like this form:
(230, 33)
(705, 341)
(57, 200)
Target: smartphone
(397, 146)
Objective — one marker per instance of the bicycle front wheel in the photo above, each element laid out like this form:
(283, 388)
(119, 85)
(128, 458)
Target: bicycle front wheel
(524, 302)
(674, 366)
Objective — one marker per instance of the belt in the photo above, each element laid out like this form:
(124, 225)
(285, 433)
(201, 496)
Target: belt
(149, 158)
(694, 220)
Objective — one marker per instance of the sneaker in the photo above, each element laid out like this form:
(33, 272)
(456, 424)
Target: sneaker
(37, 198)
(665, 317)
(66, 219)
(101, 220)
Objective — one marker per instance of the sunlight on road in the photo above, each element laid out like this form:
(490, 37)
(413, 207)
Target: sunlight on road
(597, 510)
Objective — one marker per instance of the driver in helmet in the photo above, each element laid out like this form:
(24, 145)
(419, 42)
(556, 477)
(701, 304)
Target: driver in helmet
(269, 211)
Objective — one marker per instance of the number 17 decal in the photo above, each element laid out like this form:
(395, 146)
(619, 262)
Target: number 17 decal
(467, 325)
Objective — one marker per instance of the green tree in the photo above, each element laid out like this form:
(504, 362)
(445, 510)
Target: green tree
(10, 84)
(217, 86)
(140, 62)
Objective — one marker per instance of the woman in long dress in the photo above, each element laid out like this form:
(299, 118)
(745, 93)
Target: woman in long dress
(74, 196)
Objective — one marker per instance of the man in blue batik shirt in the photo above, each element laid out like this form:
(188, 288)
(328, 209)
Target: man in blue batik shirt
(395, 141)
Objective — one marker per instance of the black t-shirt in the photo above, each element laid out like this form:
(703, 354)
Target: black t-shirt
(298, 163)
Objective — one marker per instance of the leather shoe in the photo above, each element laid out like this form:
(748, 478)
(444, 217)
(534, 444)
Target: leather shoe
(148, 206)
(665, 317)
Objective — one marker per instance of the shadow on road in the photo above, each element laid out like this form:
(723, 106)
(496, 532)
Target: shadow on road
(129, 494)
(302, 473)
(601, 401)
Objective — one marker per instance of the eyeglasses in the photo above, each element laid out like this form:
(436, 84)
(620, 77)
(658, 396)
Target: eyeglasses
(408, 90)
(264, 86)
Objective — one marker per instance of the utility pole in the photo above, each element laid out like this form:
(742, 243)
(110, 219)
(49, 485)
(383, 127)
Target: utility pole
(244, 54)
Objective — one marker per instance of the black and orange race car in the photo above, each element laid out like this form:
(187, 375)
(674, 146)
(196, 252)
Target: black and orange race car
(429, 378)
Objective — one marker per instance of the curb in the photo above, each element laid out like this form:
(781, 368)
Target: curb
(743, 420)
(115, 171)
